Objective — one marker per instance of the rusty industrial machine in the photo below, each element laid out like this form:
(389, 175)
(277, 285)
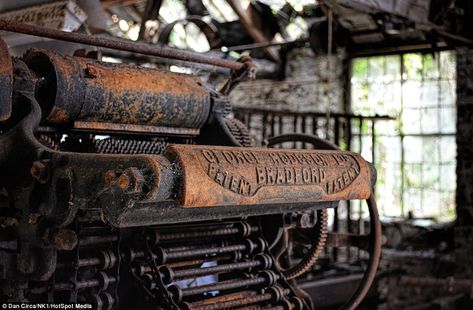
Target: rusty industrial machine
(133, 188)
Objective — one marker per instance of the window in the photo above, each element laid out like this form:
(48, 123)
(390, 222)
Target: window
(415, 156)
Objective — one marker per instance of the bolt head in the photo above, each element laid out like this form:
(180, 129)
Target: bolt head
(124, 182)
(65, 240)
(131, 180)
(109, 177)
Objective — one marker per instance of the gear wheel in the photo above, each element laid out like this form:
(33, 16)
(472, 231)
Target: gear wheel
(239, 131)
(49, 141)
(318, 243)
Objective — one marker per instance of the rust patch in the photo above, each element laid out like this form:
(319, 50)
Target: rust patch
(121, 78)
(99, 126)
(215, 176)
(75, 89)
(58, 115)
(65, 240)
(6, 82)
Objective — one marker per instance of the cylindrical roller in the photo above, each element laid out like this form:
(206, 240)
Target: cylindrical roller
(76, 89)
(222, 176)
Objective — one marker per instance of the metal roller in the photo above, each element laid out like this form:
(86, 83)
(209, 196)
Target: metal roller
(217, 176)
(107, 96)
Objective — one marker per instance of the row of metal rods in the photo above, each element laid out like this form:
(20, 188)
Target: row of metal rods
(240, 299)
(235, 256)
(135, 47)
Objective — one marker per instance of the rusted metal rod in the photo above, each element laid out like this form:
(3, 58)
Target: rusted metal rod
(170, 275)
(140, 48)
(243, 230)
(200, 252)
(164, 255)
(179, 293)
(85, 284)
(199, 234)
(273, 293)
(234, 303)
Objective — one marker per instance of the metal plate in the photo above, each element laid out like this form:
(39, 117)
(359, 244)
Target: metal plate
(217, 176)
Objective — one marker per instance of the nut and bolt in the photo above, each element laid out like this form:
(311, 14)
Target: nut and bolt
(131, 180)
(109, 177)
(65, 239)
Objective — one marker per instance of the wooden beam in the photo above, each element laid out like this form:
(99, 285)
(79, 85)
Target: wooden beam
(254, 32)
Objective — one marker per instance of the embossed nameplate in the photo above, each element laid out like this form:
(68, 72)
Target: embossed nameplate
(215, 176)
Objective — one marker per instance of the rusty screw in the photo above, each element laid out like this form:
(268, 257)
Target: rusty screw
(41, 171)
(109, 177)
(65, 239)
(131, 181)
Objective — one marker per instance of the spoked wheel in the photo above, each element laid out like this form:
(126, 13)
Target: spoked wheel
(179, 32)
(370, 242)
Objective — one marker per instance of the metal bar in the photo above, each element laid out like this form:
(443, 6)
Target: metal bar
(336, 219)
(401, 134)
(281, 125)
(314, 125)
(265, 121)
(336, 131)
(263, 45)
(303, 130)
(294, 129)
(224, 268)
(311, 113)
(360, 203)
(224, 285)
(146, 49)
(347, 138)
(373, 143)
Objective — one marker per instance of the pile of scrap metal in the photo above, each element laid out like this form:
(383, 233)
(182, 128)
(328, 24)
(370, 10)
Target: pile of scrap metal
(119, 181)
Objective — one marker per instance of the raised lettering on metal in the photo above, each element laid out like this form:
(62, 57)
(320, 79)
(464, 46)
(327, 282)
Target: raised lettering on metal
(225, 175)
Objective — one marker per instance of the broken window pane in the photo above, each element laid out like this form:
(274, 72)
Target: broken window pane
(423, 100)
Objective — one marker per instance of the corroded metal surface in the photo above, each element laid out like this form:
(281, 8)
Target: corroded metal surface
(77, 203)
(6, 82)
(127, 128)
(214, 176)
(146, 49)
(91, 91)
